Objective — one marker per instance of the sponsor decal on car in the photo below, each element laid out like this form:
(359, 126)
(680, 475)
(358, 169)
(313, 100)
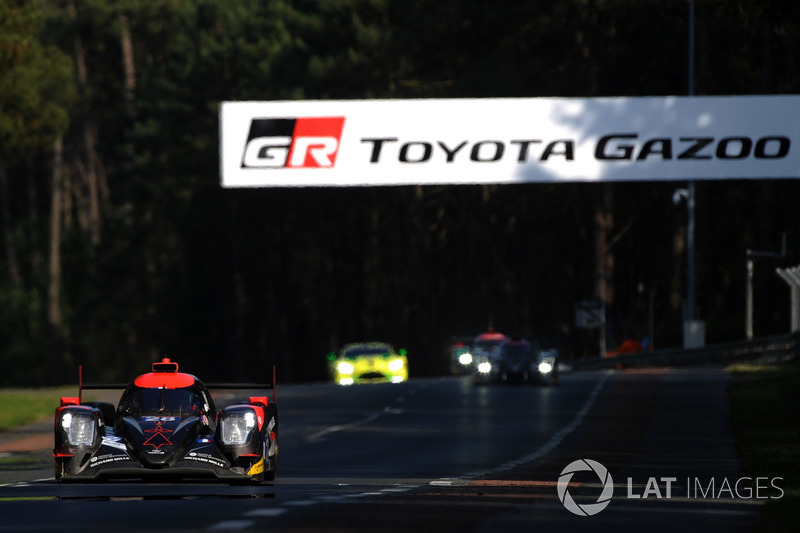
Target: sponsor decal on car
(105, 459)
(159, 437)
(205, 458)
(114, 442)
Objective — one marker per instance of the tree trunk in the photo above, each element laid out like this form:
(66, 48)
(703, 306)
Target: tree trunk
(33, 216)
(8, 235)
(54, 278)
(129, 84)
(92, 170)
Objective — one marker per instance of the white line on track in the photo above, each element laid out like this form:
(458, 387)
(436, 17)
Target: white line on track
(232, 525)
(546, 448)
(366, 420)
(300, 503)
(333, 429)
(554, 441)
(268, 511)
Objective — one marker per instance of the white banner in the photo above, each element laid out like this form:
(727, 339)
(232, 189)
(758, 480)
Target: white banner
(508, 140)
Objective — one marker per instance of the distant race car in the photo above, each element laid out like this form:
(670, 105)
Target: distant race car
(166, 425)
(546, 366)
(485, 349)
(461, 355)
(369, 362)
(518, 361)
(511, 362)
(486, 346)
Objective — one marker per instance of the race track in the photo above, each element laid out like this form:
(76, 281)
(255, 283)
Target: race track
(441, 455)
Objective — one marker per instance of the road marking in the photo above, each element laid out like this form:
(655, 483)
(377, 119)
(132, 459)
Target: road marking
(561, 435)
(525, 483)
(232, 525)
(270, 512)
(546, 448)
(301, 503)
(449, 482)
(333, 429)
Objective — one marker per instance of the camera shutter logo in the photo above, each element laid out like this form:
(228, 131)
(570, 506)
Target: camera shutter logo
(586, 509)
(308, 142)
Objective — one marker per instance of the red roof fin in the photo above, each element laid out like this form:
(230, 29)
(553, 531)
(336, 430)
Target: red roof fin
(165, 366)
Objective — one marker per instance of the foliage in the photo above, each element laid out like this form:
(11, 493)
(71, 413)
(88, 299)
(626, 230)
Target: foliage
(35, 85)
(180, 267)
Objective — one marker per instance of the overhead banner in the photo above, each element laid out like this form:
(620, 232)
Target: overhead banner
(508, 140)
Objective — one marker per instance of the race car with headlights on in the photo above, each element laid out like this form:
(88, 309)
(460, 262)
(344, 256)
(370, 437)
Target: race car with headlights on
(546, 366)
(367, 362)
(511, 363)
(486, 347)
(166, 425)
(461, 355)
(485, 352)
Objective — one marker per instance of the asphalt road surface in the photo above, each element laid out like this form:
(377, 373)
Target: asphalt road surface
(443, 455)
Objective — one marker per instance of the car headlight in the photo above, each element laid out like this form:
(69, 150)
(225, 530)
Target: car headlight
(395, 365)
(79, 428)
(545, 367)
(235, 426)
(485, 367)
(345, 368)
(465, 358)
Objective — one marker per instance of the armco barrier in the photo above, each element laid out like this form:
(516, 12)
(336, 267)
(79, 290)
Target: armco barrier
(764, 350)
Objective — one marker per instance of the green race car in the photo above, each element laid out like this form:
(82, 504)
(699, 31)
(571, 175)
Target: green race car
(369, 362)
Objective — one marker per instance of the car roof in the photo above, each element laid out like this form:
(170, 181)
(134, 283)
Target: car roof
(165, 375)
(516, 342)
(490, 336)
(368, 346)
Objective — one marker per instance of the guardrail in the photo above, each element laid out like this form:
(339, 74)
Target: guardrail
(764, 350)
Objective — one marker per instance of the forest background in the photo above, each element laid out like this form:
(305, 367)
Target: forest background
(119, 245)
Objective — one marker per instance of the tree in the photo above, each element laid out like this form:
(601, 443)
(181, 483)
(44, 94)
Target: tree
(35, 94)
(155, 258)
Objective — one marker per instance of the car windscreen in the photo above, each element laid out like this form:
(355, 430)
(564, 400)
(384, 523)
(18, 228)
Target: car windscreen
(516, 350)
(161, 402)
(487, 346)
(360, 352)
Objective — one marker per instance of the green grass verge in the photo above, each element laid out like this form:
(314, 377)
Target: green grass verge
(23, 462)
(23, 406)
(765, 409)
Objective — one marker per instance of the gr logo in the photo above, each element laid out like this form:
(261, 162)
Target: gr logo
(586, 509)
(292, 142)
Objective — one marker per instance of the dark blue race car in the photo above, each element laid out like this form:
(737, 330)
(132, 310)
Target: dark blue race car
(166, 425)
(517, 361)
